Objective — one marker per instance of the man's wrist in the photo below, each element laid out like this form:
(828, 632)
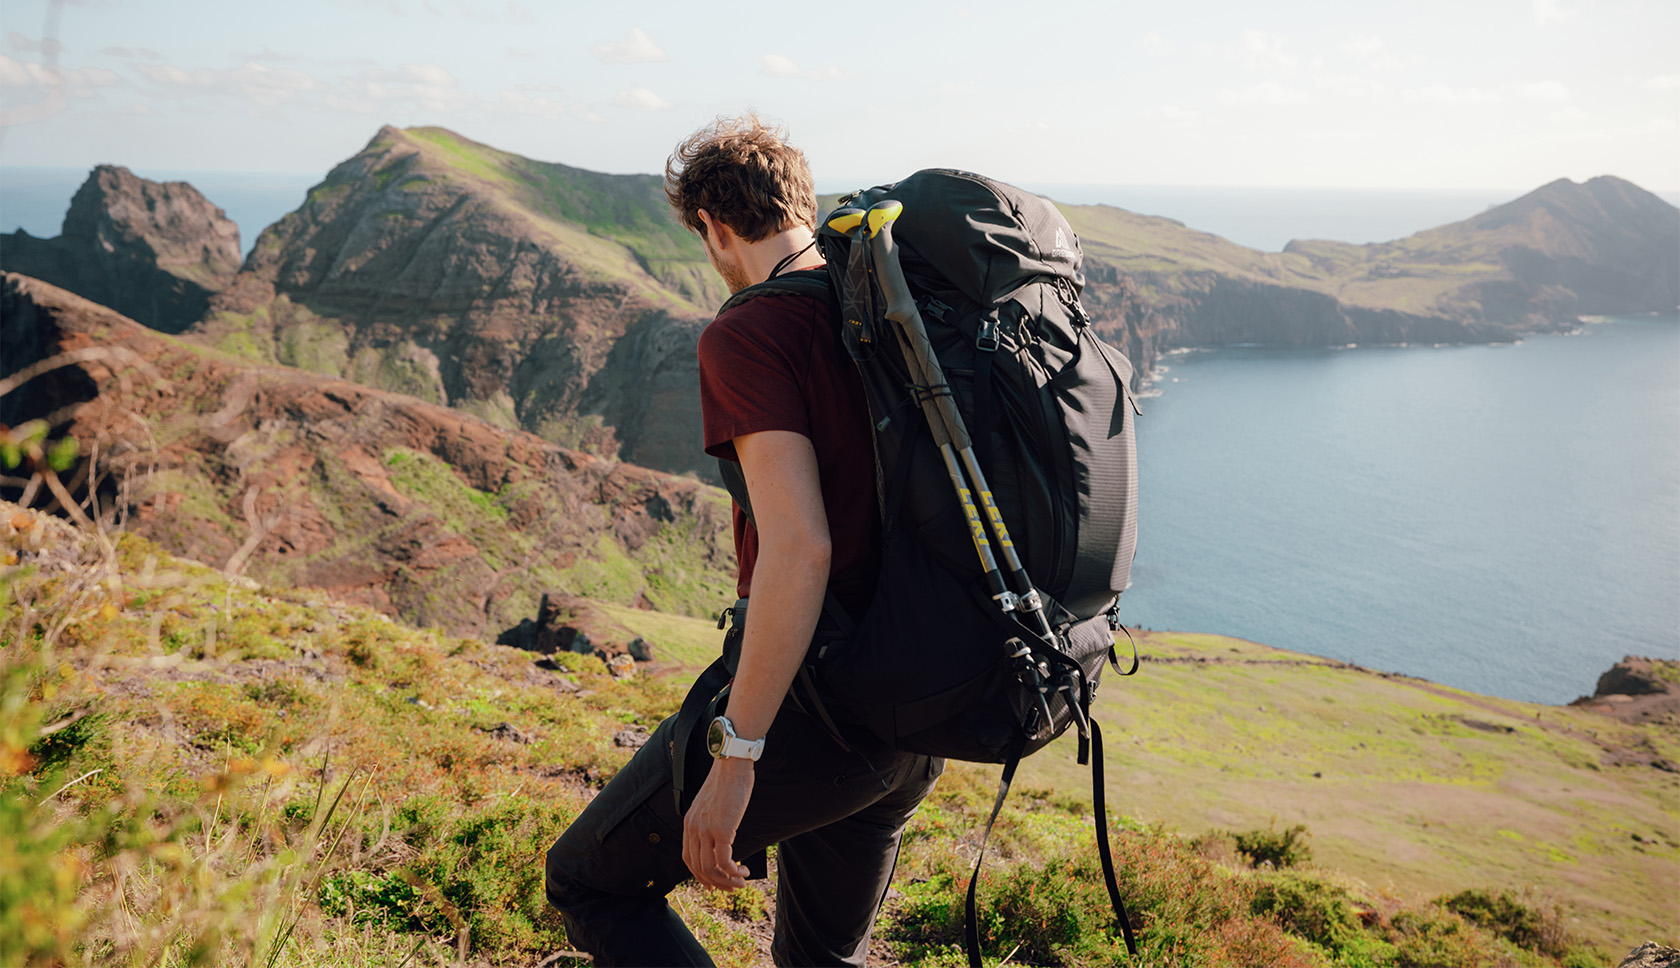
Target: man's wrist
(723, 743)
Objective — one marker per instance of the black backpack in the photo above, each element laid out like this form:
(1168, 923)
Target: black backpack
(951, 659)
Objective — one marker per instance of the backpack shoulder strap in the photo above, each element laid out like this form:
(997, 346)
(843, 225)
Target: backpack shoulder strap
(812, 283)
(804, 282)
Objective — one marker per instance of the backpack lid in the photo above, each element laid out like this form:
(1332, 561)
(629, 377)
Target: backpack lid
(985, 238)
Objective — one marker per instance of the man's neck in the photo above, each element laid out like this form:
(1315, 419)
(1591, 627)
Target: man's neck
(759, 258)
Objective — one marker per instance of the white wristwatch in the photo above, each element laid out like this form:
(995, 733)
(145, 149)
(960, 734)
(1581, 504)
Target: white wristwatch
(722, 741)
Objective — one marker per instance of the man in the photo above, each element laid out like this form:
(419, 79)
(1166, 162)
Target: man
(778, 396)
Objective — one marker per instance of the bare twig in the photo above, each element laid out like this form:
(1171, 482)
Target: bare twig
(71, 783)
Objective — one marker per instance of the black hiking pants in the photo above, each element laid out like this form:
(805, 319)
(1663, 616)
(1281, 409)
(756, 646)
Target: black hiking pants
(835, 816)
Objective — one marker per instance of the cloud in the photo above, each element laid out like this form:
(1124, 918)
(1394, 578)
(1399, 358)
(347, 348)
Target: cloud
(778, 65)
(1364, 46)
(1447, 94)
(517, 13)
(636, 48)
(267, 86)
(29, 45)
(1662, 82)
(1551, 12)
(1542, 91)
(1270, 93)
(78, 82)
(365, 91)
(428, 85)
(1157, 44)
(1173, 114)
(1568, 115)
(642, 99)
(116, 52)
(521, 102)
(1263, 49)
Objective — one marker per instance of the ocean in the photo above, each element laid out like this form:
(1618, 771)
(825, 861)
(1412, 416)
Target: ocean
(1504, 519)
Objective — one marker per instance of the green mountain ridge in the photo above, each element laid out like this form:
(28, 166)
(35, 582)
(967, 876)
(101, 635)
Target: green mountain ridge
(537, 295)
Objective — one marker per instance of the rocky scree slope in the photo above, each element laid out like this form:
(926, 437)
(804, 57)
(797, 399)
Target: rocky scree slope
(534, 295)
(154, 251)
(299, 479)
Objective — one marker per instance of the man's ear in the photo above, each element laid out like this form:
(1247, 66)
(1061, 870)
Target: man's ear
(719, 234)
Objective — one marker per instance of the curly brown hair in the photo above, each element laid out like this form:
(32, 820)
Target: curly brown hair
(744, 174)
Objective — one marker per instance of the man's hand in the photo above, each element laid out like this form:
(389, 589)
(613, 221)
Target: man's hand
(709, 828)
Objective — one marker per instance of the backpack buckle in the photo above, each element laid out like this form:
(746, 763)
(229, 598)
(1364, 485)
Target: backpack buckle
(985, 339)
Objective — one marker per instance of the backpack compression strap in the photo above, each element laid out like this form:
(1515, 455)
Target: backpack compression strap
(971, 925)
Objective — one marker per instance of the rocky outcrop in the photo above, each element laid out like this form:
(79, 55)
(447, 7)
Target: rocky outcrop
(536, 296)
(154, 251)
(1637, 690)
(424, 512)
(1651, 955)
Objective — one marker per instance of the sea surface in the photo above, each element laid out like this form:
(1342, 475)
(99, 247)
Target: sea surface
(1504, 519)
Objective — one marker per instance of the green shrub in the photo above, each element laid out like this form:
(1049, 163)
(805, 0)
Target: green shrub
(1526, 923)
(1434, 937)
(368, 898)
(1285, 848)
(87, 738)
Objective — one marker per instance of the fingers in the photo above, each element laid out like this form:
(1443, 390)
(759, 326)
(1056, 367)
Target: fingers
(710, 859)
(730, 875)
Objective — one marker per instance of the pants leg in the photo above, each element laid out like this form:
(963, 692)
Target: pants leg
(831, 880)
(608, 874)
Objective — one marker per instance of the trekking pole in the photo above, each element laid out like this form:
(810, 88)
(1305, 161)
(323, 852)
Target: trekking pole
(860, 224)
(937, 399)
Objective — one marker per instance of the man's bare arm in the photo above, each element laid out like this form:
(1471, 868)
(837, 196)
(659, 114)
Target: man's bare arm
(787, 594)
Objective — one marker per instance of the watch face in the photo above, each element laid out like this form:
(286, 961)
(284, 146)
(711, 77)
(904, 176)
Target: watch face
(715, 738)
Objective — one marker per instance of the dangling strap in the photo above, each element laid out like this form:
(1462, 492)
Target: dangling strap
(1101, 810)
(971, 926)
(694, 708)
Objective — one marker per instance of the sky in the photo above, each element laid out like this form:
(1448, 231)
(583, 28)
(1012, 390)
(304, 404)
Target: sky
(1421, 95)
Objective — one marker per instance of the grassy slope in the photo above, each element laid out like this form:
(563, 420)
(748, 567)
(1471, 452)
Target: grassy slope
(1409, 795)
(1220, 733)
(616, 226)
(221, 720)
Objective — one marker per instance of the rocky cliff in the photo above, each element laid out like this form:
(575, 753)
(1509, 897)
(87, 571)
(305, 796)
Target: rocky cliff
(380, 499)
(155, 251)
(533, 295)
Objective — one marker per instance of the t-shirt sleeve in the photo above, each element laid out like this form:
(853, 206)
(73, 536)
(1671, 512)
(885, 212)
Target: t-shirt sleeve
(752, 370)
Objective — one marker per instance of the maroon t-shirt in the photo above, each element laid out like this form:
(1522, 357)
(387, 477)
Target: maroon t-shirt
(775, 363)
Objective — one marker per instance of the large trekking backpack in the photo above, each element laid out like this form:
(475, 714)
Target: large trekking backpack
(1004, 560)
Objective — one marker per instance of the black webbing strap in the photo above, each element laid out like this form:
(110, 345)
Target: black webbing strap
(985, 410)
(696, 705)
(971, 924)
(1101, 811)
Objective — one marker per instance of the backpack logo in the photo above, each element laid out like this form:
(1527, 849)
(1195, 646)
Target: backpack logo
(1061, 246)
